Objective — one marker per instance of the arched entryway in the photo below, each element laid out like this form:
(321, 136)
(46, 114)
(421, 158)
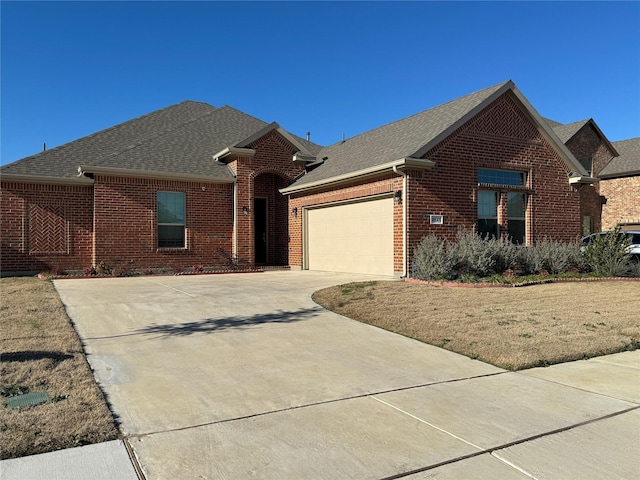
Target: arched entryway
(270, 220)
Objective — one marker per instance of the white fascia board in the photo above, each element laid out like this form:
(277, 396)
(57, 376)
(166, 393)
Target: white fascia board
(408, 162)
(125, 172)
(234, 151)
(582, 180)
(300, 157)
(40, 179)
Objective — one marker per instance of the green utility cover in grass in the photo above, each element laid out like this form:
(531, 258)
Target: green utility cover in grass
(27, 399)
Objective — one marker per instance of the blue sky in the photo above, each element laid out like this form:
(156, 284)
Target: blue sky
(70, 69)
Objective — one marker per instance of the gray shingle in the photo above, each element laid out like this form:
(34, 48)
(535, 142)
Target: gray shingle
(189, 148)
(565, 132)
(393, 141)
(628, 160)
(63, 161)
(178, 139)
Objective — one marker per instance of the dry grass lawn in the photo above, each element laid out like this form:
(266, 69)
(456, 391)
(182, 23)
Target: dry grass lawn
(513, 328)
(41, 352)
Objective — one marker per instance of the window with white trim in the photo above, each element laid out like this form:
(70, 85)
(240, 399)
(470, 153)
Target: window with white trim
(171, 220)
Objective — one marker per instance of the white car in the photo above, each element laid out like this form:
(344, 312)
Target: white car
(634, 248)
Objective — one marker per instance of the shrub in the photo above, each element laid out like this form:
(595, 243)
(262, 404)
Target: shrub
(634, 268)
(197, 268)
(431, 260)
(89, 271)
(608, 255)
(506, 255)
(103, 269)
(473, 255)
(552, 257)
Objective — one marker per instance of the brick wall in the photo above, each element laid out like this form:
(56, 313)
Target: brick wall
(271, 168)
(45, 227)
(622, 205)
(586, 143)
(499, 137)
(125, 223)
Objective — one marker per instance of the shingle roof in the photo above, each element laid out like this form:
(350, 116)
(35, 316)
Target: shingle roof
(63, 161)
(189, 147)
(566, 131)
(395, 140)
(178, 139)
(628, 161)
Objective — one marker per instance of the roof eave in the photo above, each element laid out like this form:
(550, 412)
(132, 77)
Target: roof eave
(43, 179)
(300, 157)
(151, 174)
(582, 180)
(229, 153)
(611, 176)
(407, 162)
(271, 127)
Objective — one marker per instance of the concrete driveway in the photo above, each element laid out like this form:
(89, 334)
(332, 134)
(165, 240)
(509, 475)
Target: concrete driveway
(244, 376)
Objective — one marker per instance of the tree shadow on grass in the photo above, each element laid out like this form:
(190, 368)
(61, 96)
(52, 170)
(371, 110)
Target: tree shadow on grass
(211, 325)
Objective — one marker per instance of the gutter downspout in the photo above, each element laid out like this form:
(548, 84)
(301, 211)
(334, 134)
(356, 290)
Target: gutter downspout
(405, 201)
(234, 247)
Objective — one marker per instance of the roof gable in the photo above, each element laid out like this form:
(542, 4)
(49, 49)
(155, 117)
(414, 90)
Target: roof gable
(568, 131)
(414, 136)
(399, 139)
(628, 161)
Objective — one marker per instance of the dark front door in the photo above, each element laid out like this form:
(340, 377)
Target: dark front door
(260, 229)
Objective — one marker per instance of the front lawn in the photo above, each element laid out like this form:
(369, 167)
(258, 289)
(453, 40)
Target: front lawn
(42, 355)
(512, 328)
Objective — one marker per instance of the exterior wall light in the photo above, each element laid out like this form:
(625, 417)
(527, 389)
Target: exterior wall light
(294, 211)
(397, 197)
(245, 210)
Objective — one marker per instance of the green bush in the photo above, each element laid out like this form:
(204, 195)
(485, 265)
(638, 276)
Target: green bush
(472, 255)
(431, 260)
(608, 255)
(551, 256)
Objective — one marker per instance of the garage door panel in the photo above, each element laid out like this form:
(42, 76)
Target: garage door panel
(354, 237)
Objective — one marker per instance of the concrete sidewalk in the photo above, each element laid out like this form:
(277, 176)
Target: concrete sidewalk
(242, 376)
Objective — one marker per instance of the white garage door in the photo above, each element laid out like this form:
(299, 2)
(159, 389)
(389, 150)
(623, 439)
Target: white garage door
(353, 237)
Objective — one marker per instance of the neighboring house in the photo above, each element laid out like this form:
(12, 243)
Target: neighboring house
(194, 184)
(620, 186)
(592, 149)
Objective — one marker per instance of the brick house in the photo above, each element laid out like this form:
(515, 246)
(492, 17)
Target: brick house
(195, 184)
(620, 187)
(592, 149)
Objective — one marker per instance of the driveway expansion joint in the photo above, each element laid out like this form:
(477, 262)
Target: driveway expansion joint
(491, 451)
(313, 404)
